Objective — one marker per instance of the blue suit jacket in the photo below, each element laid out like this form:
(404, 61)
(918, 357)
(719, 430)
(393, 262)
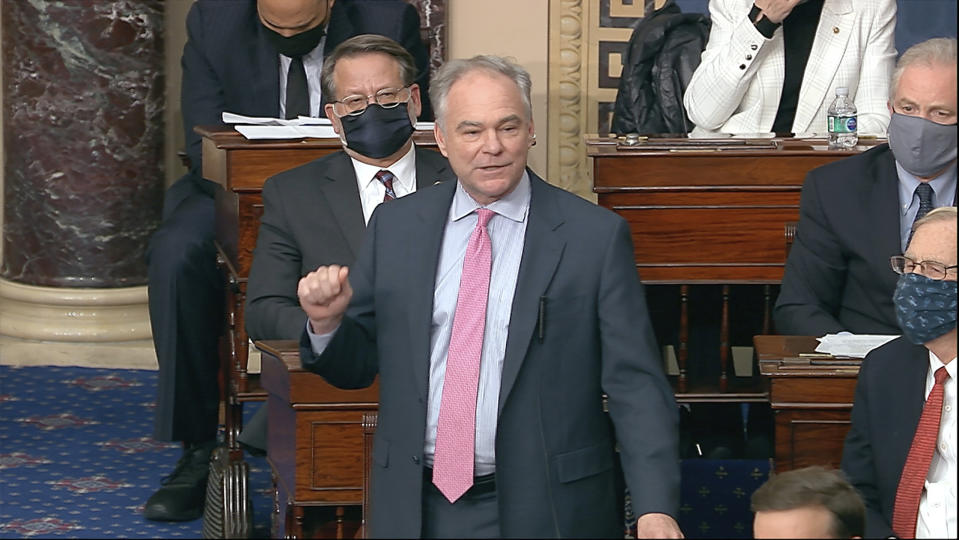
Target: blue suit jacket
(554, 445)
(890, 394)
(228, 64)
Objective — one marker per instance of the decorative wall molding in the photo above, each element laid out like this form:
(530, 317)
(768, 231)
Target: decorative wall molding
(587, 39)
(73, 314)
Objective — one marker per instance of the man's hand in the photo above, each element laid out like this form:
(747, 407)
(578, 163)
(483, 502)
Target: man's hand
(776, 10)
(657, 526)
(324, 294)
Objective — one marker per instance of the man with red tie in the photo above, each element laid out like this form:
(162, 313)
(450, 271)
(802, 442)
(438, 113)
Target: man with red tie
(900, 452)
(496, 310)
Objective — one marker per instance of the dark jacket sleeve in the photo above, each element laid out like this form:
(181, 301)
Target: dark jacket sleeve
(857, 459)
(640, 400)
(201, 93)
(273, 309)
(815, 272)
(350, 360)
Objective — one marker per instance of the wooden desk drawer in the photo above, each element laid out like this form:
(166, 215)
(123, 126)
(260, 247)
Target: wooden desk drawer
(812, 392)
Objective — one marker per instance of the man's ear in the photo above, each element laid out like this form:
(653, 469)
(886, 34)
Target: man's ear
(440, 140)
(416, 103)
(889, 106)
(337, 126)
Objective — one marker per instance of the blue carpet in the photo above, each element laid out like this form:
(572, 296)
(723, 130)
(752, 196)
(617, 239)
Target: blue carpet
(77, 459)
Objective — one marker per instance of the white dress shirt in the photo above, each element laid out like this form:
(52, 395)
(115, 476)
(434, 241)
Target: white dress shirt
(937, 505)
(313, 65)
(372, 190)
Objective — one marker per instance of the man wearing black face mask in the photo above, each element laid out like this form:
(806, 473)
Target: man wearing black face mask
(857, 212)
(900, 452)
(257, 58)
(316, 214)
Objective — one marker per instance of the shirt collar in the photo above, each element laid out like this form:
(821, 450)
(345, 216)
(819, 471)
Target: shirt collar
(514, 205)
(404, 169)
(942, 185)
(935, 364)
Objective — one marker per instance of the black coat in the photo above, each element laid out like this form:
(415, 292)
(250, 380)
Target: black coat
(663, 53)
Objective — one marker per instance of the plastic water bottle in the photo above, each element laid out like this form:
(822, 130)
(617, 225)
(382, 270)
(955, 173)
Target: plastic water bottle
(843, 121)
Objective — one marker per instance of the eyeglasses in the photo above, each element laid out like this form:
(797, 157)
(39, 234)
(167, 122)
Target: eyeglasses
(386, 98)
(931, 269)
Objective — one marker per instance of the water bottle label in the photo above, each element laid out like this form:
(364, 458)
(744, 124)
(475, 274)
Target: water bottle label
(842, 124)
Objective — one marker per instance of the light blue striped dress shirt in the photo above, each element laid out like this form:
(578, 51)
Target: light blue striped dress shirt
(944, 193)
(507, 231)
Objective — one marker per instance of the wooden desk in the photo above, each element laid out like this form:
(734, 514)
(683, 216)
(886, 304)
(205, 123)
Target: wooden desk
(812, 400)
(714, 214)
(321, 440)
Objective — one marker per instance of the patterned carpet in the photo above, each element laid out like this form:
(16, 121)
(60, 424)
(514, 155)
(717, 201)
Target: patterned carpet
(77, 459)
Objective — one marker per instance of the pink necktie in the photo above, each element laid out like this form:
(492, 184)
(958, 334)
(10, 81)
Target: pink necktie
(906, 509)
(456, 429)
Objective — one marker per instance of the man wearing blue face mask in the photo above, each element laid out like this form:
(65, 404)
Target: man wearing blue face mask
(857, 212)
(257, 58)
(900, 452)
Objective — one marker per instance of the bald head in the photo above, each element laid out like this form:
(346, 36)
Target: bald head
(291, 17)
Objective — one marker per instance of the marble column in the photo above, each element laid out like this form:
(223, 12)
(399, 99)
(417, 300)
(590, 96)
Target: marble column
(83, 136)
(83, 102)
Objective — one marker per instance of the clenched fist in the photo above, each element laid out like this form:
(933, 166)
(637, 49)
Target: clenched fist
(324, 294)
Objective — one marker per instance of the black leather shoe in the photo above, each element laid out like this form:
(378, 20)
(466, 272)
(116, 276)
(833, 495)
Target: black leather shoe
(184, 491)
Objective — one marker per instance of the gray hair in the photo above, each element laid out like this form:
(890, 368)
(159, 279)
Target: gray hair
(930, 53)
(366, 44)
(454, 70)
(943, 213)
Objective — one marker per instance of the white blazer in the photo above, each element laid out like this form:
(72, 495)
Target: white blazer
(737, 87)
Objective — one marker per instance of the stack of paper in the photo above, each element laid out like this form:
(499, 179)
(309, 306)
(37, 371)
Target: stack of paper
(851, 345)
(259, 127)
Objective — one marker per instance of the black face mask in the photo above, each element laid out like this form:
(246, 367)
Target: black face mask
(297, 44)
(378, 132)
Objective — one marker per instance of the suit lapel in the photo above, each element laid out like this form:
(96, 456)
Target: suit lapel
(427, 171)
(341, 191)
(823, 60)
(427, 227)
(912, 385)
(542, 251)
(884, 214)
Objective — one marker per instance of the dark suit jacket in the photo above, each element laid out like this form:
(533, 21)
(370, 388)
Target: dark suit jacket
(890, 394)
(312, 217)
(228, 64)
(837, 274)
(554, 445)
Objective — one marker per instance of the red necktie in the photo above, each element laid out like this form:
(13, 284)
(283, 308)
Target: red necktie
(456, 428)
(913, 479)
(387, 178)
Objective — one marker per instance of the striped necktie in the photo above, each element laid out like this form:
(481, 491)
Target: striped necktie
(387, 178)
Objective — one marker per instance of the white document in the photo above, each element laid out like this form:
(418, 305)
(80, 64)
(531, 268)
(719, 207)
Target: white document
(233, 118)
(851, 345)
(423, 126)
(287, 132)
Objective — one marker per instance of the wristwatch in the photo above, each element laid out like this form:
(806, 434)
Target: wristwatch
(762, 23)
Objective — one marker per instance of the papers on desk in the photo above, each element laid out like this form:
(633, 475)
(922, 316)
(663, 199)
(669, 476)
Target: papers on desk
(851, 345)
(258, 127)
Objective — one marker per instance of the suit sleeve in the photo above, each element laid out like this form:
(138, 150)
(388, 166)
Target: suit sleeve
(857, 460)
(350, 360)
(815, 271)
(411, 40)
(878, 61)
(640, 399)
(718, 85)
(272, 307)
(201, 92)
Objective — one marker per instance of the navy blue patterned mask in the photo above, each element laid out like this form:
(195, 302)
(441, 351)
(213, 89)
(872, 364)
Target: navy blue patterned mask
(925, 308)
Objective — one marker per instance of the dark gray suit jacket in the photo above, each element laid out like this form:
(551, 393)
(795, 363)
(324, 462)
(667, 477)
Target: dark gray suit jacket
(554, 445)
(312, 217)
(890, 394)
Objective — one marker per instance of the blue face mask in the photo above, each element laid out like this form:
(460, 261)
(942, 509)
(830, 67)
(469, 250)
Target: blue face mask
(378, 132)
(925, 308)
